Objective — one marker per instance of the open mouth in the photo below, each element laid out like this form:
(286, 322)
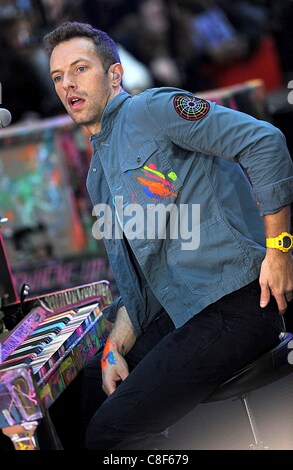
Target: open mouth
(75, 102)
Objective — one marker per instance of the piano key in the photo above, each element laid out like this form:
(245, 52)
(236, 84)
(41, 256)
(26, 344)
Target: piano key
(54, 350)
(48, 329)
(27, 350)
(42, 339)
(46, 337)
(25, 359)
(59, 345)
(61, 322)
(87, 308)
(63, 316)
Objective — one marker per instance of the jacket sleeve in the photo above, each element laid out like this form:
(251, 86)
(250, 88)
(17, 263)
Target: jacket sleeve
(207, 128)
(111, 310)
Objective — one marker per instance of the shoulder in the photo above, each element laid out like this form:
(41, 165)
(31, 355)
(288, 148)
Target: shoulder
(172, 102)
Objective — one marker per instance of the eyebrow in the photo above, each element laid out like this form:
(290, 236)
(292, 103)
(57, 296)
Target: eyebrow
(72, 64)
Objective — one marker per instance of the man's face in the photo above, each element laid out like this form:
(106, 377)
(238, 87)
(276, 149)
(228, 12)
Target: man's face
(81, 82)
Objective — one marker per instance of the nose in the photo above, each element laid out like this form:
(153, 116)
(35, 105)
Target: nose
(68, 81)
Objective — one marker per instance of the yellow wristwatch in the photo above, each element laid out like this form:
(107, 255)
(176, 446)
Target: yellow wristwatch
(283, 242)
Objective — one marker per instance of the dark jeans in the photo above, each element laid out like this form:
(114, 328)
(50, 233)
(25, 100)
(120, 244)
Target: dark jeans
(173, 370)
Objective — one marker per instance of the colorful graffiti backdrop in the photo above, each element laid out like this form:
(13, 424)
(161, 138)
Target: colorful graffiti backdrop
(43, 168)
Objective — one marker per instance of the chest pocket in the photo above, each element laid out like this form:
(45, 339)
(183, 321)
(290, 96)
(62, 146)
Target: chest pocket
(150, 175)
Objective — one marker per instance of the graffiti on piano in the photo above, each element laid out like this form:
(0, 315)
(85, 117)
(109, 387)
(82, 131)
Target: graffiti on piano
(18, 398)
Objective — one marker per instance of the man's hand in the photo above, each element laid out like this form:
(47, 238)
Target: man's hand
(121, 339)
(276, 275)
(276, 278)
(114, 367)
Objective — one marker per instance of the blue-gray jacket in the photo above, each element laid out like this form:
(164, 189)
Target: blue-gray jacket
(166, 147)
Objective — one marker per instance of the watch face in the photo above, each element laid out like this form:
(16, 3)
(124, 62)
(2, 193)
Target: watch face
(286, 242)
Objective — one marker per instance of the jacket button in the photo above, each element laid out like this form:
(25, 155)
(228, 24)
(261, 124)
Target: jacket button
(138, 159)
(127, 291)
(94, 170)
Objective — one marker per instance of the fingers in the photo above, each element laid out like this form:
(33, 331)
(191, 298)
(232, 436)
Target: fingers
(282, 304)
(281, 299)
(109, 388)
(113, 374)
(110, 383)
(265, 296)
(124, 373)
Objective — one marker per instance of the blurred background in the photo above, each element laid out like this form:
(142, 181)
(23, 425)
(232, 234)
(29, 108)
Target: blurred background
(197, 45)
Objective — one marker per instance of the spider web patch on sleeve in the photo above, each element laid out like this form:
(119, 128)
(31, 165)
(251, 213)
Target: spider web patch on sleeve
(191, 108)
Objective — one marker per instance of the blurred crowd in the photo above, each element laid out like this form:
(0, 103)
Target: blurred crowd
(191, 44)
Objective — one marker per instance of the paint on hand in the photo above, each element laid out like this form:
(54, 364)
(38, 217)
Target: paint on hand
(108, 355)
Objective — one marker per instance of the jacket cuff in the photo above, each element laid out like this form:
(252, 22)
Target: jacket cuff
(272, 198)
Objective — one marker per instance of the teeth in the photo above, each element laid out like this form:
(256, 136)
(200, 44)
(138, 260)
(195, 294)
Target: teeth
(74, 100)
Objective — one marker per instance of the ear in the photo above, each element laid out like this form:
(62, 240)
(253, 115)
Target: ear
(116, 73)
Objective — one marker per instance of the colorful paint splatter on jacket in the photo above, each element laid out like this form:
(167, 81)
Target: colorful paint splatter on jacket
(155, 184)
